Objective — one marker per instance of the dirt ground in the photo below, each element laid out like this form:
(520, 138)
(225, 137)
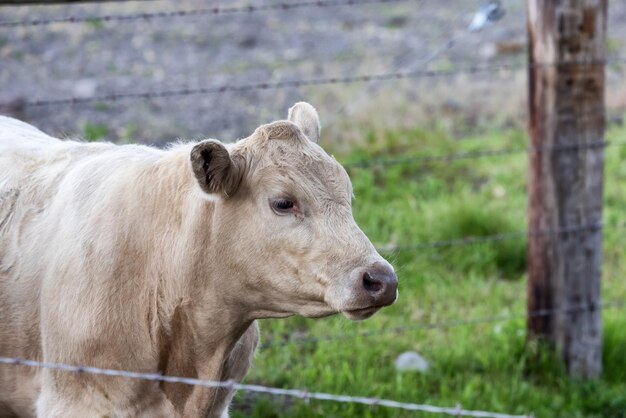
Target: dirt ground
(94, 58)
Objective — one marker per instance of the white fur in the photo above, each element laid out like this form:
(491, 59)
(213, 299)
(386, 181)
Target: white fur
(112, 256)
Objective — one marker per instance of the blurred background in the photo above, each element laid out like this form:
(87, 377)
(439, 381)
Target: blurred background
(98, 57)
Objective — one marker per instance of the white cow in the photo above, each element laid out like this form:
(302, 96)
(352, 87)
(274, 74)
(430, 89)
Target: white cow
(148, 260)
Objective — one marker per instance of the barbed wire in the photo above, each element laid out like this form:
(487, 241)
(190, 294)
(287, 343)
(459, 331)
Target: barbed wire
(365, 78)
(443, 324)
(469, 155)
(208, 11)
(229, 384)
(481, 239)
(458, 322)
(261, 86)
(303, 394)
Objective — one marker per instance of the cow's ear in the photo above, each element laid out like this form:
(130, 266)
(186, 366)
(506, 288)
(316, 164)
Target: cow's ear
(215, 169)
(305, 116)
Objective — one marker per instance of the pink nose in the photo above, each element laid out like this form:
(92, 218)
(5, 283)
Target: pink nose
(381, 284)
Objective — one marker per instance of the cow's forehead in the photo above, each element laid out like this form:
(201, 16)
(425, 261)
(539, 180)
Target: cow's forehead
(283, 153)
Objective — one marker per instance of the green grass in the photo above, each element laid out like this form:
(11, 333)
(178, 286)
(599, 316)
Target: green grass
(482, 366)
(95, 23)
(95, 131)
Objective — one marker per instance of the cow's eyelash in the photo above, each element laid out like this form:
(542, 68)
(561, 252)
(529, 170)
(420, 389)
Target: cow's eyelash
(284, 205)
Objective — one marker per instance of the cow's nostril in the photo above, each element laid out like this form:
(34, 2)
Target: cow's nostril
(370, 284)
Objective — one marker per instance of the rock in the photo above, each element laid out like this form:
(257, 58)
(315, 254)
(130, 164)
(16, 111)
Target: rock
(411, 361)
(498, 191)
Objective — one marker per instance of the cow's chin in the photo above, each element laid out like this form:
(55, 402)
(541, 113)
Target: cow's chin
(361, 314)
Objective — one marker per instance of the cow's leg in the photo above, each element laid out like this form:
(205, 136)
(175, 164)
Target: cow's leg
(238, 363)
(66, 399)
(161, 408)
(83, 324)
(52, 405)
(213, 403)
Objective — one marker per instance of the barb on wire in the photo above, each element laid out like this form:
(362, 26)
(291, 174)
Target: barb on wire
(209, 11)
(474, 155)
(301, 394)
(488, 238)
(450, 323)
(488, 13)
(302, 83)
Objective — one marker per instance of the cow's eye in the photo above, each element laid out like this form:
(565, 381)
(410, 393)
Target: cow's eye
(282, 206)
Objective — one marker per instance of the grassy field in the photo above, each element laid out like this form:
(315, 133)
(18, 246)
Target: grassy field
(482, 366)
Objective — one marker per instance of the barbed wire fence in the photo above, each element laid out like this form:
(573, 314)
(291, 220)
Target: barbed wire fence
(366, 78)
(210, 11)
(487, 14)
(457, 411)
(442, 324)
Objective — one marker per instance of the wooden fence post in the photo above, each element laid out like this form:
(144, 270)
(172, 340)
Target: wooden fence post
(566, 109)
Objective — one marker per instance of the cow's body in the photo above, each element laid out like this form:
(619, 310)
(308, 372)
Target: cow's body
(49, 233)
(112, 256)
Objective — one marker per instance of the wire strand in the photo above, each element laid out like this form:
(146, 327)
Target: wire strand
(481, 239)
(211, 11)
(476, 154)
(297, 393)
(303, 82)
(444, 324)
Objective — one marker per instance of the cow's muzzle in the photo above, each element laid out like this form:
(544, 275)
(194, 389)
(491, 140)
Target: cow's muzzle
(374, 288)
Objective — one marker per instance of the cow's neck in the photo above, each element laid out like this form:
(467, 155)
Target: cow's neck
(199, 319)
(202, 335)
(203, 352)
(193, 282)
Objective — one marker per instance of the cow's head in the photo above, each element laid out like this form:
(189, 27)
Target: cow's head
(283, 221)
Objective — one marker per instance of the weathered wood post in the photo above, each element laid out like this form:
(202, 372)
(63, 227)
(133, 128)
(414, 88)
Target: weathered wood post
(566, 109)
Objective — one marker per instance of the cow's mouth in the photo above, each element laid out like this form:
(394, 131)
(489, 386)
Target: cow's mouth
(361, 314)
